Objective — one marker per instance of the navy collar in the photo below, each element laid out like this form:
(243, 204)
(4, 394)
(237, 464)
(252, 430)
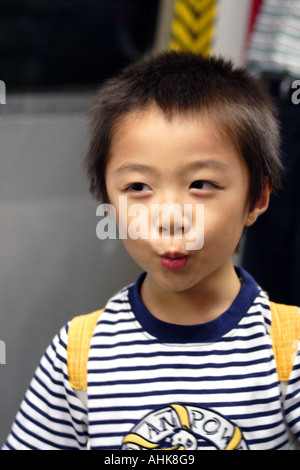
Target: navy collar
(205, 332)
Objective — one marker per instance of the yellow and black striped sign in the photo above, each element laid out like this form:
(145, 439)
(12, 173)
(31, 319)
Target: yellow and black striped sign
(193, 27)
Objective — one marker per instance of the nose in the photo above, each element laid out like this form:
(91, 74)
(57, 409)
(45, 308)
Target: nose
(169, 220)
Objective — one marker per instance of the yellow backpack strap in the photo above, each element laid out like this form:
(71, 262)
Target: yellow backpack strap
(285, 334)
(79, 338)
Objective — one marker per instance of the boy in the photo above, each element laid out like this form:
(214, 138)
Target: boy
(181, 359)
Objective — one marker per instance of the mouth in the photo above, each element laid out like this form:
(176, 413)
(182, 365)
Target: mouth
(174, 261)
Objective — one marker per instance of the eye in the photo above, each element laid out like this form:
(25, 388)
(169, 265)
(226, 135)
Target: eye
(137, 187)
(201, 184)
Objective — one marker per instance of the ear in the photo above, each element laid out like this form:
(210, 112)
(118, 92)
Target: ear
(260, 207)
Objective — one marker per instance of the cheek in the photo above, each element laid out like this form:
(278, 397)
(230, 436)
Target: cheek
(224, 227)
(139, 251)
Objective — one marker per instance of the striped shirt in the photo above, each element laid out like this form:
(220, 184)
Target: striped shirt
(156, 385)
(275, 41)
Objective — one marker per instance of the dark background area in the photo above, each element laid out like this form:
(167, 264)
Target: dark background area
(71, 43)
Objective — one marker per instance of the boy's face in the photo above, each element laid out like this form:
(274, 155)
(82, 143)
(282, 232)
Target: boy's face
(178, 161)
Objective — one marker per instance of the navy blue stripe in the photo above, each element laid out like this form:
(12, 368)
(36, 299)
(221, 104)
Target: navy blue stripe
(60, 340)
(125, 343)
(215, 352)
(231, 417)
(229, 339)
(117, 312)
(51, 405)
(258, 302)
(206, 378)
(51, 430)
(60, 383)
(264, 426)
(211, 405)
(295, 380)
(100, 422)
(117, 333)
(282, 445)
(249, 442)
(182, 366)
(105, 448)
(123, 299)
(177, 353)
(155, 393)
(58, 369)
(257, 414)
(109, 434)
(116, 321)
(60, 396)
(292, 408)
(50, 376)
(26, 444)
(248, 326)
(51, 418)
(8, 445)
(297, 434)
(45, 441)
(255, 313)
(54, 348)
(55, 367)
(268, 439)
(62, 359)
(292, 395)
(294, 421)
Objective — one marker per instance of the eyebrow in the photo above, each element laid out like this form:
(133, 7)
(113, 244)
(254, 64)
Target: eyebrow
(134, 167)
(192, 166)
(215, 164)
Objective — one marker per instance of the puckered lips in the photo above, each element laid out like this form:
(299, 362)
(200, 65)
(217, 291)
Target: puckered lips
(174, 261)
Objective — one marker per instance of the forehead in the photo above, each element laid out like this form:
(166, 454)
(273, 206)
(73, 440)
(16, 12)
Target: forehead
(151, 136)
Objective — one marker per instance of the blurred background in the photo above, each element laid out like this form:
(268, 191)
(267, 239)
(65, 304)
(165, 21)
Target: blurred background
(53, 56)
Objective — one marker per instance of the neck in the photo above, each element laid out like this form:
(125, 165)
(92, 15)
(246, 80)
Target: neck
(201, 303)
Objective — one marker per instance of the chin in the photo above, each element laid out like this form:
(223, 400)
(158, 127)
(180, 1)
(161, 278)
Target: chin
(175, 282)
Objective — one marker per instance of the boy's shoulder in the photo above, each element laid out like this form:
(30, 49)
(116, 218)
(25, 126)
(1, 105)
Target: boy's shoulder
(80, 331)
